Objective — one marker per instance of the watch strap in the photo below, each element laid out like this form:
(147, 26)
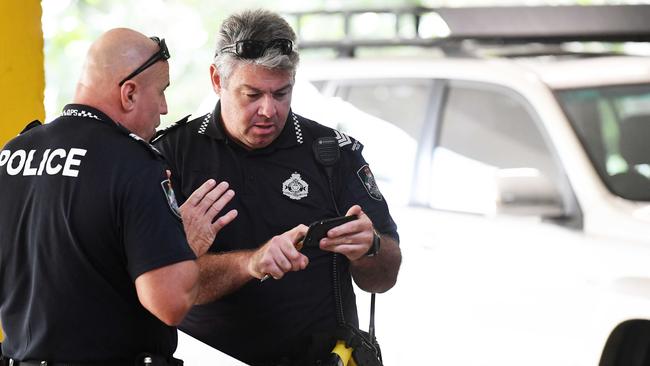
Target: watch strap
(376, 244)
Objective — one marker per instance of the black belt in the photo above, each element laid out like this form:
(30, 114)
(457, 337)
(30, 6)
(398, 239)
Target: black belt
(11, 362)
(153, 361)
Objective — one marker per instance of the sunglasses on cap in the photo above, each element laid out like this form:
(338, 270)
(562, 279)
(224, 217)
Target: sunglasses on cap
(161, 54)
(251, 48)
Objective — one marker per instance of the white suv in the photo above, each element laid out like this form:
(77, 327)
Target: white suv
(520, 187)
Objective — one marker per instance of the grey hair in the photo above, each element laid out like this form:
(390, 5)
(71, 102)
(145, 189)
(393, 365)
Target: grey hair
(260, 25)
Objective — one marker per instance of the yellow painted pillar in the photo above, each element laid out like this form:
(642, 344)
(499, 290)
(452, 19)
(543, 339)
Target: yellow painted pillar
(22, 74)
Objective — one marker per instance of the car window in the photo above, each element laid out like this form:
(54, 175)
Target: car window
(613, 124)
(388, 118)
(402, 102)
(388, 148)
(483, 128)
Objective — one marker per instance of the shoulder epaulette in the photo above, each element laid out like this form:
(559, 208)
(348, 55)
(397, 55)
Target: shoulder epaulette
(152, 149)
(30, 125)
(346, 142)
(173, 126)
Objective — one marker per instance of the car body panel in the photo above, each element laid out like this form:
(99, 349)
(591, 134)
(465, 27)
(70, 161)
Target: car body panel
(497, 289)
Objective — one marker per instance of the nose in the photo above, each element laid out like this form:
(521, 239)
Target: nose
(267, 107)
(163, 105)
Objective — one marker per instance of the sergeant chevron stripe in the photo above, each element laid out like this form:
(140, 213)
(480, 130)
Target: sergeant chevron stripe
(342, 139)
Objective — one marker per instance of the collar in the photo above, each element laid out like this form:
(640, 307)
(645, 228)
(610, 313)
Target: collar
(291, 135)
(211, 125)
(85, 111)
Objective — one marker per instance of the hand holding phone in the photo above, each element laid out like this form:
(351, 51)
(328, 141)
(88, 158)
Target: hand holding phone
(318, 230)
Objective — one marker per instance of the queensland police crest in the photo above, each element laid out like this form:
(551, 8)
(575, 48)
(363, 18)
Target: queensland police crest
(170, 197)
(294, 187)
(369, 182)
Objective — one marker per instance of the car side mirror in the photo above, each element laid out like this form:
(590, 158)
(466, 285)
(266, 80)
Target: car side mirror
(527, 192)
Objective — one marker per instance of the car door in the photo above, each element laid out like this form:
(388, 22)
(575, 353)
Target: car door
(502, 289)
(388, 117)
(477, 287)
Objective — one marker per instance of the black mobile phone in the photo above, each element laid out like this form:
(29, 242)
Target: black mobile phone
(318, 230)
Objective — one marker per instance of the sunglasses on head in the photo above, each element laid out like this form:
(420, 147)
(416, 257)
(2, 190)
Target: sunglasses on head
(161, 54)
(251, 48)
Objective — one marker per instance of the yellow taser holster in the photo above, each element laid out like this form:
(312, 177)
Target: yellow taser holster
(345, 353)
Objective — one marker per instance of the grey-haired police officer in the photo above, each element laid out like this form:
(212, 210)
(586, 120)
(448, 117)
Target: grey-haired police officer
(266, 152)
(95, 266)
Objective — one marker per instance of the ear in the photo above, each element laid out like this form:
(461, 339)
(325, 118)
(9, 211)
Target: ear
(216, 79)
(128, 95)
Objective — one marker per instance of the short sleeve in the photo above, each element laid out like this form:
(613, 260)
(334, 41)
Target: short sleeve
(360, 187)
(153, 234)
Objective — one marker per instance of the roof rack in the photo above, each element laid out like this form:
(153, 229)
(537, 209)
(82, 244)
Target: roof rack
(492, 25)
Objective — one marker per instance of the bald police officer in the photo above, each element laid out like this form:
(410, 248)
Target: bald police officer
(95, 266)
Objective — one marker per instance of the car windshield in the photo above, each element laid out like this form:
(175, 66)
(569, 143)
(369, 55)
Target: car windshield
(613, 124)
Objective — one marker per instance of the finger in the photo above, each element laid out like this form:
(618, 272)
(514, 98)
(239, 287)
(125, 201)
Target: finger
(290, 249)
(224, 220)
(298, 233)
(220, 203)
(300, 263)
(211, 197)
(362, 225)
(294, 257)
(351, 251)
(304, 262)
(354, 210)
(355, 239)
(349, 228)
(200, 192)
(282, 261)
(276, 272)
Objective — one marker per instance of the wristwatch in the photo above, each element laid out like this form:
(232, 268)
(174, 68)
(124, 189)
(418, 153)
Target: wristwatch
(376, 244)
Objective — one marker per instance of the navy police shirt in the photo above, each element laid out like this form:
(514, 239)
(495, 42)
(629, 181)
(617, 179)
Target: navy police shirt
(86, 209)
(276, 188)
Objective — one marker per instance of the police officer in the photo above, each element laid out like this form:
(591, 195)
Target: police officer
(95, 266)
(271, 158)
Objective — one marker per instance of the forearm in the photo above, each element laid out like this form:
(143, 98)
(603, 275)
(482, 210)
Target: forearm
(222, 274)
(169, 292)
(378, 273)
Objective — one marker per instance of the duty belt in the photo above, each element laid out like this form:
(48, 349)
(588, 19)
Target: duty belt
(12, 362)
(146, 360)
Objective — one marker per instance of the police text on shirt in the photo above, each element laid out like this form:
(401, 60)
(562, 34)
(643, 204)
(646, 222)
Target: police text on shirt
(50, 162)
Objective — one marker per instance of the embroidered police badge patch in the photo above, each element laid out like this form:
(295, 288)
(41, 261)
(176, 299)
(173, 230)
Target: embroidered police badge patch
(369, 182)
(295, 188)
(171, 197)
